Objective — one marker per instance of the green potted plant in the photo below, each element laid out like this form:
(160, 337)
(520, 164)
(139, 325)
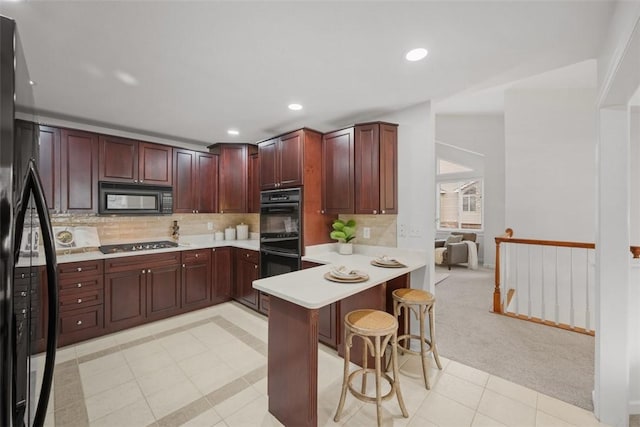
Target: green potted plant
(344, 233)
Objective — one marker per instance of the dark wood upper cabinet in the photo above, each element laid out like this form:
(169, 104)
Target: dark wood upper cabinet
(282, 161)
(183, 181)
(206, 182)
(118, 159)
(49, 165)
(233, 176)
(268, 164)
(338, 172)
(195, 182)
(78, 171)
(376, 168)
(254, 183)
(154, 164)
(126, 160)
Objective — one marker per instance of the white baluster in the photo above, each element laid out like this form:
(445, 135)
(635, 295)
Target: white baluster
(557, 305)
(543, 314)
(571, 309)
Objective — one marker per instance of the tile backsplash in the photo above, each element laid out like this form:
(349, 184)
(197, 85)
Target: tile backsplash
(383, 229)
(119, 229)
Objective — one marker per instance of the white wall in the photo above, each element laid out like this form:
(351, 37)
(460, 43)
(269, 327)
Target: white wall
(416, 183)
(550, 138)
(634, 288)
(484, 134)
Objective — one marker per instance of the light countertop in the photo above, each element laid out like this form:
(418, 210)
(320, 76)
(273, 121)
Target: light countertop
(184, 244)
(308, 288)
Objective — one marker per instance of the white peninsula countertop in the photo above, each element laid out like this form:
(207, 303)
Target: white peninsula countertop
(308, 288)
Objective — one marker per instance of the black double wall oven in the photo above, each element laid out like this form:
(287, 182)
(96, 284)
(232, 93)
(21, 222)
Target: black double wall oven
(280, 231)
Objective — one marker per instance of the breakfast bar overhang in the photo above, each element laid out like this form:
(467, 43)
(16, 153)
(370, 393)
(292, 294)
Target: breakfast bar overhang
(295, 299)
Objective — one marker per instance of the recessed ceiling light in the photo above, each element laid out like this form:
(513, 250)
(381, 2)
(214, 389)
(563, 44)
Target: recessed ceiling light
(295, 107)
(416, 54)
(233, 132)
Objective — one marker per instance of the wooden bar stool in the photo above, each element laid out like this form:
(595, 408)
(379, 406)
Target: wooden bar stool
(377, 329)
(420, 303)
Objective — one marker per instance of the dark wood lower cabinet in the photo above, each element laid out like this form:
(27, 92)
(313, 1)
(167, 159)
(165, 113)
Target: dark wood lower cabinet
(327, 318)
(222, 277)
(163, 291)
(246, 269)
(125, 299)
(196, 279)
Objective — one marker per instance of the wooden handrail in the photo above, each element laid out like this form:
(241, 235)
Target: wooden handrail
(547, 243)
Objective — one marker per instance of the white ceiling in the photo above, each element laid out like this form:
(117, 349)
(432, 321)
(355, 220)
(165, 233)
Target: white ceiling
(201, 67)
(581, 75)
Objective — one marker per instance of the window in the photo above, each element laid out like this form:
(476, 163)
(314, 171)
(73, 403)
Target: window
(460, 204)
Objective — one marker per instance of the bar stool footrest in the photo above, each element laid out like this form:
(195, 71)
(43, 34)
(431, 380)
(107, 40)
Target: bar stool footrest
(361, 396)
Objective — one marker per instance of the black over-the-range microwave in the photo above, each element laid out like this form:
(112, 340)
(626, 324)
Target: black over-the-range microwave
(134, 199)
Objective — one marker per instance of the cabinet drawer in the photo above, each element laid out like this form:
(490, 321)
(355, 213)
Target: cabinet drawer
(196, 256)
(83, 268)
(142, 261)
(80, 299)
(81, 284)
(249, 255)
(82, 320)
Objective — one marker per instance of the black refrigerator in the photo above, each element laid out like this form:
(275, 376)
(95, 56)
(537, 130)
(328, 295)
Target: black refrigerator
(28, 287)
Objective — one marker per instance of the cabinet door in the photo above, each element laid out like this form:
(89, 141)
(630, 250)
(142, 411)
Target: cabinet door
(79, 171)
(269, 177)
(290, 159)
(163, 291)
(184, 192)
(221, 265)
(206, 183)
(49, 165)
(196, 279)
(155, 164)
(233, 179)
(246, 273)
(118, 159)
(254, 184)
(388, 169)
(367, 169)
(125, 299)
(338, 172)
(327, 318)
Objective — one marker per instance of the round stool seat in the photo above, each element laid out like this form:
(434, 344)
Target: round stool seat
(371, 322)
(413, 296)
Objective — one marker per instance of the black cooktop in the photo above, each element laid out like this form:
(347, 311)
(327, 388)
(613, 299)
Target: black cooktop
(139, 246)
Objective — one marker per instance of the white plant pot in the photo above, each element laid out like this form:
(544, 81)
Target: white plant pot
(345, 248)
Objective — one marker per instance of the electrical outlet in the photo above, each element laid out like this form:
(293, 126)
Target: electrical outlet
(366, 232)
(402, 230)
(209, 225)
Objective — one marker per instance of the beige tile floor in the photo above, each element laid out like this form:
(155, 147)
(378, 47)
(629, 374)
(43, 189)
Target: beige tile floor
(208, 368)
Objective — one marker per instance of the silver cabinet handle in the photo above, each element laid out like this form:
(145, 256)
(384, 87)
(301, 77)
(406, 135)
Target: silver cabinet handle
(184, 265)
(213, 250)
(23, 294)
(149, 271)
(255, 266)
(144, 271)
(79, 285)
(79, 269)
(79, 322)
(375, 211)
(383, 212)
(141, 180)
(197, 255)
(79, 300)
(135, 180)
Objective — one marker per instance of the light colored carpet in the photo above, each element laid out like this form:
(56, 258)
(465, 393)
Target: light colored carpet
(549, 360)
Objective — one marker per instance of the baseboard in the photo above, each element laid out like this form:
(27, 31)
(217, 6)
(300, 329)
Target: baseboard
(634, 407)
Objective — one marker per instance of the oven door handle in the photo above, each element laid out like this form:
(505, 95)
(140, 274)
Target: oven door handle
(283, 254)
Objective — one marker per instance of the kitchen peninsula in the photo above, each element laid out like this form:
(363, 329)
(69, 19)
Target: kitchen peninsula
(295, 300)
